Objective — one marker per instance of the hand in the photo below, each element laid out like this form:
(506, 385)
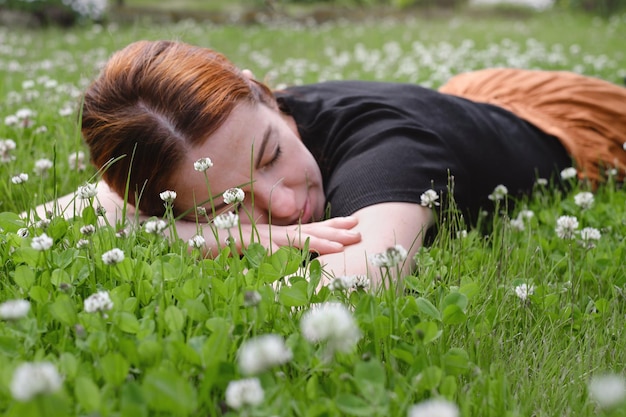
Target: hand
(329, 236)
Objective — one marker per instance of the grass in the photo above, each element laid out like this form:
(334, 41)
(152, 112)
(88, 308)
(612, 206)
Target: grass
(169, 344)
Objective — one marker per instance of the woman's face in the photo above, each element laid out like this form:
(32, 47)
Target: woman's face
(259, 150)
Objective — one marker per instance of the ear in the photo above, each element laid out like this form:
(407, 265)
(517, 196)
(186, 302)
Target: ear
(248, 74)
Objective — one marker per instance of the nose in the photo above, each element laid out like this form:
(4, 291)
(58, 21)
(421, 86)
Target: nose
(279, 201)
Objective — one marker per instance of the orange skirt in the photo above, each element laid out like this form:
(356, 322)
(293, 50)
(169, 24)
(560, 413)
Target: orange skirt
(587, 115)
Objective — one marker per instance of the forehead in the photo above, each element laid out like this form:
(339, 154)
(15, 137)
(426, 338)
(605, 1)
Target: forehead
(232, 148)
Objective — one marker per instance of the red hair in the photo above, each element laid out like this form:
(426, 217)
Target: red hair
(156, 100)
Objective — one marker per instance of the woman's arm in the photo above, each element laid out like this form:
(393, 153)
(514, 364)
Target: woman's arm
(329, 236)
(381, 226)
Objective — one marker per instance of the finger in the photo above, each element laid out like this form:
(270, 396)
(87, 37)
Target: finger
(340, 222)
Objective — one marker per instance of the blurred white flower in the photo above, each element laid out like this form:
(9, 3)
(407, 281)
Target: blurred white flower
(66, 111)
(197, 241)
(88, 229)
(569, 173)
(434, 407)
(526, 214)
(333, 324)
(523, 291)
(202, 164)
(542, 182)
(19, 178)
(87, 191)
(112, 257)
(244, 392)
(588, 235)
(41, 242)
(82, 243)
(14, 309)
(429, 198)
(499, 193)
(6, 146)
(517, 224)
(233, 196)
(226, 220)
(11, 120)
(349, 282)
(23, 232)
(608, 390)
(262, 353)
(42, 166)
(393, 256)
(155, 226)
(76, 161)
(461, 234)
(33, 378)
(168, 196)
(98, 302)
(566, 227)
(584, 199)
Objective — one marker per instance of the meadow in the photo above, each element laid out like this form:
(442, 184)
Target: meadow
(523, 315)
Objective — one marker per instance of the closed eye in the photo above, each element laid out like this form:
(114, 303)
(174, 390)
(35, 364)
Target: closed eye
(275, 157)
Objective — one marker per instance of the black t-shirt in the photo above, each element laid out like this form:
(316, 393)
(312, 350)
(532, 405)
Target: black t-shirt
(381, 142)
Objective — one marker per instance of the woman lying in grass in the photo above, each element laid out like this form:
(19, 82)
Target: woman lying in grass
(355, 167)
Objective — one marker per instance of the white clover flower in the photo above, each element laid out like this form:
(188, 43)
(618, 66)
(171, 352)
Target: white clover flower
(342, 283)
(112, 257)
(608, 390)
(11, 120)
(429, 198)
(43, 223)
(82, 243)
(88, 229)
(6, 146)
(197, 242)
(168, 196)
(526, 214)
(33, 378)
(393, 256)
(499, 193)
(28, 84)
(252, 298)
(42, 242)
(41, 129)
(333, 324)
(19, 178)
(24, 113)
(87, 191)
(569, 173)
(155, 226)
(66, 111)
(542, 182)
(517, 224)
(42, 166)
(434, 407)
(523, 291)
(76, 161)
(262, 353)
(584, 199)
(226, 220)
(233, 196)
(590, 233)
(98, 302)
(566, 227)
(202, 164)
(23, 232)
(349, 282)
(244, 392)
(14, 309)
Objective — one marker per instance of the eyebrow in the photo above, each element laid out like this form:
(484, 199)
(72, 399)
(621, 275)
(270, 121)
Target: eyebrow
(266, 136)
